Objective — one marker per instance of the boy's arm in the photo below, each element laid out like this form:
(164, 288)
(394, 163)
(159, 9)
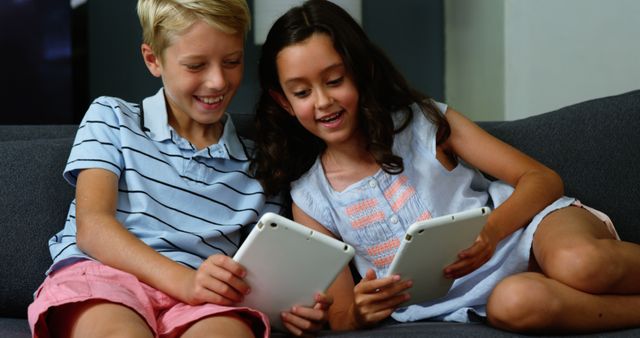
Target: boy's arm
(101, 236)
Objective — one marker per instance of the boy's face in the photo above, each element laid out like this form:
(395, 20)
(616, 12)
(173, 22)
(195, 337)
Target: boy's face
(201, 71)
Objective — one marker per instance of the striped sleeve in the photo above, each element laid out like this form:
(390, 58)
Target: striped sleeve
(97, 143)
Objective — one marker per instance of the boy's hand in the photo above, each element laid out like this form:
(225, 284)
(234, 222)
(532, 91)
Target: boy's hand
(218, 280)
(303, 320)
(473, 257)
(375, 299)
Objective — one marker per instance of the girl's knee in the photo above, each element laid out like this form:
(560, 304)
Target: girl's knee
(589, 266)
(522, 303)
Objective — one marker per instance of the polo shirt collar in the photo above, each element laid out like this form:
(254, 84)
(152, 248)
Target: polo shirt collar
(156, 125)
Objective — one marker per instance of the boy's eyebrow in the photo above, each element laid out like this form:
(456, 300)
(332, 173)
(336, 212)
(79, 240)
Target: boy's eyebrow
(326, 70)
(199, 56)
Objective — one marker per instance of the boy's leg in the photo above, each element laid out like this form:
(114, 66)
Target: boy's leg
(88, 295)
(96, 318)
(211, 320)
(587, 280)
(222, 326)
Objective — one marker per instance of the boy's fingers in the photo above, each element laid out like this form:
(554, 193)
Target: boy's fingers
(228, 264)
(307, 313)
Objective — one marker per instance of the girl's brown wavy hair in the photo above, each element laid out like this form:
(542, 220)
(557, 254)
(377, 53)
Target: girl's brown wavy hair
(284, 149)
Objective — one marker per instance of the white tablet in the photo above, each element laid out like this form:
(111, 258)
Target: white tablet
(287, 263)
(429, 246)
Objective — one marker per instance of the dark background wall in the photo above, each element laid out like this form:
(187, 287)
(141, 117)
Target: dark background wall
(105, 55)
(35, 61)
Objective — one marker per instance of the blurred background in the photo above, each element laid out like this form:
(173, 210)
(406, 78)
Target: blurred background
(490, 59)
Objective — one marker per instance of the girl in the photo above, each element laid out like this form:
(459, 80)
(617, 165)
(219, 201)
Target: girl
(333, 119)
(163, 195)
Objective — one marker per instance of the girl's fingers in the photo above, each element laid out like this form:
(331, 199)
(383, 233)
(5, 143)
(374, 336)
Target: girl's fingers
(373, 286)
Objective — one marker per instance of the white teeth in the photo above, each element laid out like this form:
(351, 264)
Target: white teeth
(331, 117)
(211, 100)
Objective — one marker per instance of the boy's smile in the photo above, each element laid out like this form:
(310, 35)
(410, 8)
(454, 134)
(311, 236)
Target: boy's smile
(201, 71)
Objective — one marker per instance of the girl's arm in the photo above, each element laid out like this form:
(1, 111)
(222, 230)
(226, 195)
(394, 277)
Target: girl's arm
(536, 185)
(100, 235)
(362, 305)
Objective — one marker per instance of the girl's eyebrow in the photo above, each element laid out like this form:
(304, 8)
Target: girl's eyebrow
(326, 70)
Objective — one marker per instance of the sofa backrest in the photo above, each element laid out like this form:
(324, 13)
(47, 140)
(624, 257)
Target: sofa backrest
(595, 147)
(33, 207)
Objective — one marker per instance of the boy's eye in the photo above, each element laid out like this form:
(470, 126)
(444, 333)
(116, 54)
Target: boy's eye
(335, 81)
(194, 66)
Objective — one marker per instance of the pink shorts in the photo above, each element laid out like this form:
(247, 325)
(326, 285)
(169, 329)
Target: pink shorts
(166, 316)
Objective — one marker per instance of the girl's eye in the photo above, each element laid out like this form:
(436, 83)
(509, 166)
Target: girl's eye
(336, 81)
(232, 63)
(301, 93)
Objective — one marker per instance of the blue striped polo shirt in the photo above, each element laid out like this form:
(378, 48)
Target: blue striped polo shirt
(185, 203)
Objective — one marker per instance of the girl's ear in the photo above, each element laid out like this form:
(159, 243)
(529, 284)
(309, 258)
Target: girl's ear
(151, 60)
(282, 101)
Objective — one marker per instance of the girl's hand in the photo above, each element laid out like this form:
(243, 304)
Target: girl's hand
(473, 257)
(218, 280)
(303, 320)
(375, 299)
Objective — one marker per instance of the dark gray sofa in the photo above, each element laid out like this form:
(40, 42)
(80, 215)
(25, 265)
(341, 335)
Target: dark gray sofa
(594, 145)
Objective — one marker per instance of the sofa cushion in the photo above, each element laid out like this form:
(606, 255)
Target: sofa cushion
(34, 132)
(33, 206)
(595, 147)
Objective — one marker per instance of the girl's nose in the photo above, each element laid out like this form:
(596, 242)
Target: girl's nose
(323, 100)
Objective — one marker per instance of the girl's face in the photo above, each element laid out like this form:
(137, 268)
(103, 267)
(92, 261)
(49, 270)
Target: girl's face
(201, 71)
(318, 90)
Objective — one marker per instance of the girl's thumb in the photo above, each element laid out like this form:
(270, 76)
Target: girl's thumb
(370, 275)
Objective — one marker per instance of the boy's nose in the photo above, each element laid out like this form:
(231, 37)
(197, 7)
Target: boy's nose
(216, 79)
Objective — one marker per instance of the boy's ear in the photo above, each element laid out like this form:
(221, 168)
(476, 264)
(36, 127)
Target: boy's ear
(281, 100)
(151, 60)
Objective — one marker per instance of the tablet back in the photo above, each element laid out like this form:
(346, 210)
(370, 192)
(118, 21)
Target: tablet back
(287, 263)
(429, 246)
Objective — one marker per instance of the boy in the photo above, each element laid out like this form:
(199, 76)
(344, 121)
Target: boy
(162, 194)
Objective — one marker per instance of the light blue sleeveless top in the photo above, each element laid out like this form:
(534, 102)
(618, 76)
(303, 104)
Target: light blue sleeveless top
(373, 214)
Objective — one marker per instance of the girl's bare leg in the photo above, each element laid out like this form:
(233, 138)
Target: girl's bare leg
(587, 280)
(96, 319)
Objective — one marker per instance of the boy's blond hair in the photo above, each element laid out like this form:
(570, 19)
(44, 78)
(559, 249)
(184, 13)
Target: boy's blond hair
(163, 20)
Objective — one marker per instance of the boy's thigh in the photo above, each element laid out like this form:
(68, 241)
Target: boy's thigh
(229, 325)
(196, 320)
(96, 318)
(87, 289)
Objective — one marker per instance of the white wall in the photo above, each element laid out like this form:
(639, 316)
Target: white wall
(543, 55)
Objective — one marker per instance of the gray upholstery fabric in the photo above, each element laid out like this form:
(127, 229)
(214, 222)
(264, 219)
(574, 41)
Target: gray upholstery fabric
(33, 206)
(594, 145)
